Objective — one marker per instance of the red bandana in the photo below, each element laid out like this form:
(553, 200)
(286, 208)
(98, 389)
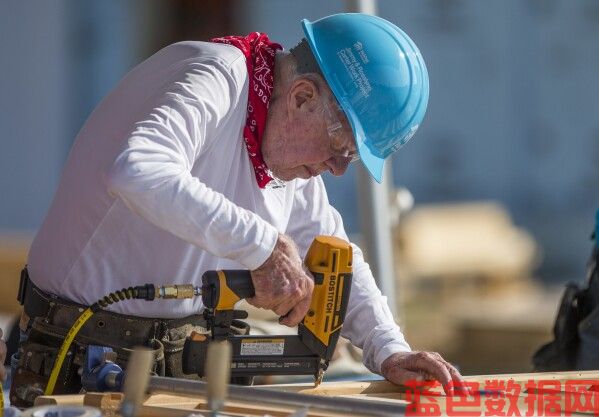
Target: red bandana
(259, 52)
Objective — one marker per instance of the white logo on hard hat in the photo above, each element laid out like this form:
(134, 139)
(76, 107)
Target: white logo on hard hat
(355, 70)
(360, 50)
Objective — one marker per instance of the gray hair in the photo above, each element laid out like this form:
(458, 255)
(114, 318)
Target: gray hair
(305, 63)
(306, 66)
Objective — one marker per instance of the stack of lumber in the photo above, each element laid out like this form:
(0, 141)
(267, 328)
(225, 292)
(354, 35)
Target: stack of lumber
(459, 244)
(466, 288)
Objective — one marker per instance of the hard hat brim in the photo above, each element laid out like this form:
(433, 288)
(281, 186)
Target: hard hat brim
(374, 164)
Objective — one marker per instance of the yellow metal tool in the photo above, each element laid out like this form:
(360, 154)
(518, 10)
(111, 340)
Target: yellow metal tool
(329, 259)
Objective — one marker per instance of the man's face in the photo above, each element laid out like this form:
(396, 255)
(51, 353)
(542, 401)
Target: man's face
(317, 137)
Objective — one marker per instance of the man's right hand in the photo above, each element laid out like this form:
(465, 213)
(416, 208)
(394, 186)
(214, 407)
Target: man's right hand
(282, 284)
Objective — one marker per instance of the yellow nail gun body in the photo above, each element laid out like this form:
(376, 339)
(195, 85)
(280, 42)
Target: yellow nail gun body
(329, 259)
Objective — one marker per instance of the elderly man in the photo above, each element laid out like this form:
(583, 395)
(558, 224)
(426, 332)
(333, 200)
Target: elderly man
(208, 156)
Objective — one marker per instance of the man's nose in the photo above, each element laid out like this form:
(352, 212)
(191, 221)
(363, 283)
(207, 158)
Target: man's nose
(338, 164)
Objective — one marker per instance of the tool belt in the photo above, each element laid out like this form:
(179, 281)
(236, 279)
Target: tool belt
(48, 319)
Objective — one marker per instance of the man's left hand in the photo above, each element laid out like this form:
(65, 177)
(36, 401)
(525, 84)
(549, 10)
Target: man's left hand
(402, 367)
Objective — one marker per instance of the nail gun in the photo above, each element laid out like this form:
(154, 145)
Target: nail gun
(329, 259)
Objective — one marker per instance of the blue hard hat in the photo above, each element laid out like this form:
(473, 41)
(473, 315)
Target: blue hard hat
(378, 77)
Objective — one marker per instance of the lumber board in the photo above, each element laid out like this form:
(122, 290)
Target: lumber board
(108, 402)
(242, 408)
(386, 387)
(166, 405)
(340, 388)
(75, 399)
(175, 405)
(539, 376)
(174, 400)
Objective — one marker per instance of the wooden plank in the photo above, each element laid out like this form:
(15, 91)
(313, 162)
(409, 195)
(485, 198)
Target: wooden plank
(180, 402)
(340, 388)
(108, 402)
(539, 376)
(174, 400)
(152, 411)
(385, 387)
(75, 399)
(172, 405)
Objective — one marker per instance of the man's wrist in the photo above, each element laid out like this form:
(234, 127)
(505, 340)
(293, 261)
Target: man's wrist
(263, 248)
(387, 351)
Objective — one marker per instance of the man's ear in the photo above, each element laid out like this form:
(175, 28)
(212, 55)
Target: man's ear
(303, 95)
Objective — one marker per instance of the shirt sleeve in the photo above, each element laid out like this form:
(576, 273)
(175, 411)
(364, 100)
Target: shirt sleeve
(151, 175)
(369, 323)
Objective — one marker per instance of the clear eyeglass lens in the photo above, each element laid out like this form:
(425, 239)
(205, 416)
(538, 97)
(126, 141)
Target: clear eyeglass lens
(340, 142)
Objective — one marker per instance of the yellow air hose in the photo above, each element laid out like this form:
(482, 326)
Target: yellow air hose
(144, 292)
(64, 348)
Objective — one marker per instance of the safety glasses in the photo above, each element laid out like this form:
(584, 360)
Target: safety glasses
(340, 135)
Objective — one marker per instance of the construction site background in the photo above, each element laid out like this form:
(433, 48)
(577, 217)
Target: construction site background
(504, 172)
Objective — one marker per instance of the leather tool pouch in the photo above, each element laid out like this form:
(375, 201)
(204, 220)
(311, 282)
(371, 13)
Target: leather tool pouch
(38, 354)
(36, 359)
(173, 343)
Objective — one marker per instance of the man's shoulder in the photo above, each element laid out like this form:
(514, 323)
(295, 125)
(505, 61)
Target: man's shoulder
(190, 56)
(199, 51)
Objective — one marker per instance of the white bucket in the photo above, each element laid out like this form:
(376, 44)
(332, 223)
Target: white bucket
(11, 412)
(62, 411)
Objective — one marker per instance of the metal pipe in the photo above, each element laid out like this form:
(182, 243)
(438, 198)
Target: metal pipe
(376, 231)
(361, 6)
(253, 395)
(374, 200)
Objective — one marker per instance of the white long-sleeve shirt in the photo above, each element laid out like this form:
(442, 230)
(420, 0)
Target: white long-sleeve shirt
(159, 188)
